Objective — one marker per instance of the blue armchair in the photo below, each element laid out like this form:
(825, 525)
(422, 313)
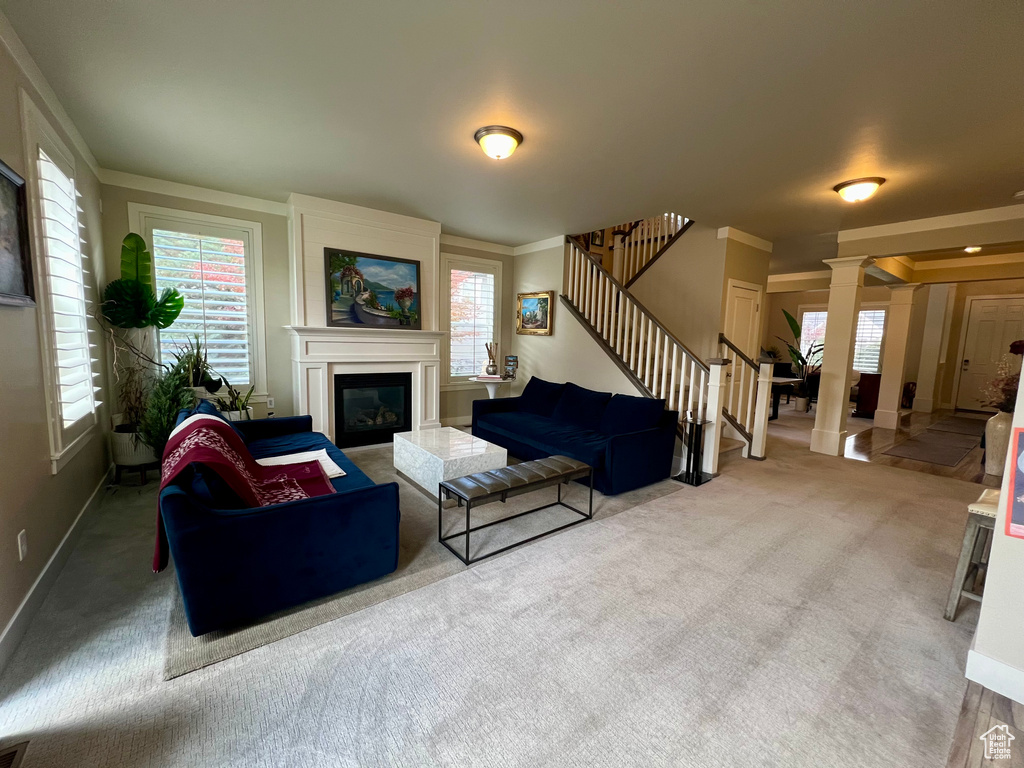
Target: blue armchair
(236, 565)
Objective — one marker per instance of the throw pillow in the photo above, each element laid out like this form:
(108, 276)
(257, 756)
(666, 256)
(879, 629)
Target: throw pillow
(626, 413)
(207, 408)
(581, 407)
(540, 397)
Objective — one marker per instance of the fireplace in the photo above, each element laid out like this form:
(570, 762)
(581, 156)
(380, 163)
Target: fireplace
(370, 408)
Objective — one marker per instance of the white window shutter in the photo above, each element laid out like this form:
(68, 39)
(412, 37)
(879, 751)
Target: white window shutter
(473, 320)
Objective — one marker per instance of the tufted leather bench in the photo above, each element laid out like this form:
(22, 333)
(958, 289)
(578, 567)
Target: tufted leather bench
(501, 484)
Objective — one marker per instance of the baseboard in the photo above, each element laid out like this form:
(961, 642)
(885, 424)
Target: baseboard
(995, 675)
(18, 625)
(457, 421)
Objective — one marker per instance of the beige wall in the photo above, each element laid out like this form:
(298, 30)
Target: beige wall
(956, 328)
(570, 353)
(684, 289)
(31, 498)
(275, 272)
(457, 400)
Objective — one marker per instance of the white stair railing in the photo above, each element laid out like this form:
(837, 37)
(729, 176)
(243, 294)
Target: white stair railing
(642, 241)
(747, 390)
(647, 351)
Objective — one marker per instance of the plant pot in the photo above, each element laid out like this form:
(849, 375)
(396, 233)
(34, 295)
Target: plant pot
(802, 404)
(245, 415)
(997, 441)
(203, 394)
(128, 450)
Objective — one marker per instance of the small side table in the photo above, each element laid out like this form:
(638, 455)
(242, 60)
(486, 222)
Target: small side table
(694, 443)
(981, 522)
(491, 384)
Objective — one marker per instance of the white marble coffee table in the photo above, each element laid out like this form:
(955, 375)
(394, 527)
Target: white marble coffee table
(429, 456)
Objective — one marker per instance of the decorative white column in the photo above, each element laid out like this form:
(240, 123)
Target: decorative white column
(932, 349)
(762, 405)
(829, 434)
(716, 402)
(894, 355)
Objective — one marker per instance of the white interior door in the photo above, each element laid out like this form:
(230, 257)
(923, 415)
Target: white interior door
(993, 324)
(743, 317)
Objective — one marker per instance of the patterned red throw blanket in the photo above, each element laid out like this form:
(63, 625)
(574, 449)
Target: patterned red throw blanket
(209, 441)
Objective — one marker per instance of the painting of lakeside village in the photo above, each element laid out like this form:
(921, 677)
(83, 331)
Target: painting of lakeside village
(370, 291)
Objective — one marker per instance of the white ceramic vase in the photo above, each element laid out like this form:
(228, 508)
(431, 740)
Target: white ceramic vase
(245, 415)
(997, 440)
(802, 404)
(128, 450)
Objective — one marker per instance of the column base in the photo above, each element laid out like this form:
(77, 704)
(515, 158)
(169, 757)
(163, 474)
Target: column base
(887, 419)
(924, 405)
(828, 442)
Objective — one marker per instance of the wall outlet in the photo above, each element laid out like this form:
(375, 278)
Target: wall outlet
(270, 403)
(22, 545)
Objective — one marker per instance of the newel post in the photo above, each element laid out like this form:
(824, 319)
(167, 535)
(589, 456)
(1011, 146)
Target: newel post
(762, 404)
(716, 402)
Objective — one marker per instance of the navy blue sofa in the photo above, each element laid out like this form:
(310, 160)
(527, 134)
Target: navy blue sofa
(236, 565)
(629, 441)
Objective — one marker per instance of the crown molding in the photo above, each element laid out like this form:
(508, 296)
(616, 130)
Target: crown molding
(821, 274)
(38, 81)
(540, 245)
(190, 192)
(970, 261)
(477, 245)
(731, 233)
(970, 218)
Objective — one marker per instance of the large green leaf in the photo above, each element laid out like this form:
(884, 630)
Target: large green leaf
(136, 261)
(128, 304)
(167, 308)
(794, 326)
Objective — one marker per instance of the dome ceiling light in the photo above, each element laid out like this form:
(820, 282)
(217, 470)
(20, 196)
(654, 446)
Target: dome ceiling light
(972, 248)
(855, 190)
(498, 141)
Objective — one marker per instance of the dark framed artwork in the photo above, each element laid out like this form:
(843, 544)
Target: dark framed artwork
(368, 291)
(534, 313)
(597, 238)
(16, 285)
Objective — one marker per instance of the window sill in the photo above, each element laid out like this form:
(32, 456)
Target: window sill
(62, 459)
(457, 385)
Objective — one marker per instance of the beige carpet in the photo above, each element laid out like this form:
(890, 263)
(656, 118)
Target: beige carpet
(421, 561)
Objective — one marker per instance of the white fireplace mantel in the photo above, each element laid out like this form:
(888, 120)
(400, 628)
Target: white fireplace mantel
(318, 353)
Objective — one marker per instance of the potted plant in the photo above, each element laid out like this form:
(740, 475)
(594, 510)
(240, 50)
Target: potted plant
(1002, 395)
(804, 365)
(130, 308)
(169, 394)
(235, 406)
(194, 362)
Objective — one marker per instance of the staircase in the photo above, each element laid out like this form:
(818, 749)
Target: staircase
(656, 361)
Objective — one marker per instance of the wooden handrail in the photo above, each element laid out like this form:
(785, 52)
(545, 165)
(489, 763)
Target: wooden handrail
(722, 339)
(629, 296)
(668, 244)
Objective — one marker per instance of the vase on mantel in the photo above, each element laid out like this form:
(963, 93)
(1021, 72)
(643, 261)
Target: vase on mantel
(997, 441)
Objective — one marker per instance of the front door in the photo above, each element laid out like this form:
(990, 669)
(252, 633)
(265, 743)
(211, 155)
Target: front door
(993, 324)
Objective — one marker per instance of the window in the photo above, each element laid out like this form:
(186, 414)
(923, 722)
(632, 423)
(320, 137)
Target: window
(867, 350)
(215, 264)
(473, 314)
(64, 287)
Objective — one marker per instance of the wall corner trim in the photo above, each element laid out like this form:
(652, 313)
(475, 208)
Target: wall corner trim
(478, 245)
(19, 623)
(190, 192)
(731, 233)
(539, 245)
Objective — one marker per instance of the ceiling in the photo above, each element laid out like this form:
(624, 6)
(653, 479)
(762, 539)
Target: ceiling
(730, 112)
(998, 249)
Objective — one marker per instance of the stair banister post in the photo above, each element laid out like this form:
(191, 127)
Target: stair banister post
(762, 404)
(716, 402)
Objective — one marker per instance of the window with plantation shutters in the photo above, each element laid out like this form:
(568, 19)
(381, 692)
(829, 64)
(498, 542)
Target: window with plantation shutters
(867, 348)
(473, 314)
(210, 272)
(65, 289)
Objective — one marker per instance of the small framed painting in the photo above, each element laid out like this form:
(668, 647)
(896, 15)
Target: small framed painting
(16, 284)
(367, 291)
(597, 238)
(535, 313)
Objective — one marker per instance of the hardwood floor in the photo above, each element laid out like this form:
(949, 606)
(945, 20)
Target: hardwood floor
(981, 711)
(871, 444)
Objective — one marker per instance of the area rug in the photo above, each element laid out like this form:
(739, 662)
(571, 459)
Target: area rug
(422, 560)
(961, 425)
(946, 449)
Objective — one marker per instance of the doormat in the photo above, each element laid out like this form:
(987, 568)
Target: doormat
(947, 449)
(960, 425)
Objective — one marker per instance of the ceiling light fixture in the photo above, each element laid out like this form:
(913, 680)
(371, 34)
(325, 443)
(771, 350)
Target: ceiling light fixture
(972, 248)
(498, 141)
(1019, 195)
(855, 190)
